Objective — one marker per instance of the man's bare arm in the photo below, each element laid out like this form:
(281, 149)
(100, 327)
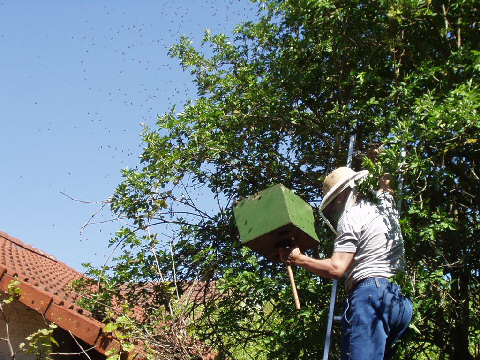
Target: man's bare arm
(331, 268)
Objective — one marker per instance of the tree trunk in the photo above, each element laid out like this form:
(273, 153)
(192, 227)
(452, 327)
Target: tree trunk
(462, 317)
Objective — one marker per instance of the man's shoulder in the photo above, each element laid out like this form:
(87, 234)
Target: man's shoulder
(362, 210)
(363, 205)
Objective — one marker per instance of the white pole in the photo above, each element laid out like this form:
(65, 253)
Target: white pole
(331, 317)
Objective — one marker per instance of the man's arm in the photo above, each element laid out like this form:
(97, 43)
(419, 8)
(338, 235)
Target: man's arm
(331, 268)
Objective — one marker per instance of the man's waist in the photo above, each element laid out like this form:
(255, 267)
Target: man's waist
(397, 279)
(376, 281)
(361, 272)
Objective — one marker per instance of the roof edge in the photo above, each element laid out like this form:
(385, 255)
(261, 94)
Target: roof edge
(67, 316)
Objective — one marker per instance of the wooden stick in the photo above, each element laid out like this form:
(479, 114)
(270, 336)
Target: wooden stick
(294, 287)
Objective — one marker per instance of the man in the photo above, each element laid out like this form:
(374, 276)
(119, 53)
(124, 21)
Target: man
(369, 250)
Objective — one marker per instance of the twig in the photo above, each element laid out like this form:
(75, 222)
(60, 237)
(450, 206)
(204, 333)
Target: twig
(105, 264)
(152, 248)
(89, 221)
(82, 229)
(447, 24)
(73, 353)
(174, 271)
(191, 203)
(7, 332)
(84, 201)
(474, 174)
(80, 346)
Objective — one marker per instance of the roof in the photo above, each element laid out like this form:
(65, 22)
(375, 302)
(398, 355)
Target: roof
(46, 288)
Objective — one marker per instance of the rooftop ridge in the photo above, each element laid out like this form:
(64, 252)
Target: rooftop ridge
(26, 246)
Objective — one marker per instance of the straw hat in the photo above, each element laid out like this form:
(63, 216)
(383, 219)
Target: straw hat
(337, 181)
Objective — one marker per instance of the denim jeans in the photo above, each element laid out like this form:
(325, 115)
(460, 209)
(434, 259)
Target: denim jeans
(376, 315)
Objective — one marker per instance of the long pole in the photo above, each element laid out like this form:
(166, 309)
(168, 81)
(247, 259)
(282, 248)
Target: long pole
(294, 287)
(333, 295)
(328, 335)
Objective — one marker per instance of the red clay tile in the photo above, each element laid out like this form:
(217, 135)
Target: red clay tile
(42, 270)
(82, 327)
(105, 343)
(46, 288)
(44, 278)
(33, 297)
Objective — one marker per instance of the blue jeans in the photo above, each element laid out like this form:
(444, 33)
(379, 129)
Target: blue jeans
(376, 315)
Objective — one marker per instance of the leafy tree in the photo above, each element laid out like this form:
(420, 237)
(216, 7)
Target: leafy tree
(277, 102)
(441, 223)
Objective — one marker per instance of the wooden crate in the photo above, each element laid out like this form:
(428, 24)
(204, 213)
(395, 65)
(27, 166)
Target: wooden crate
(269, 219)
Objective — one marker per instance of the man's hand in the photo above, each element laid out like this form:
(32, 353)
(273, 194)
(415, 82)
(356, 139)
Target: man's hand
(385, 183)
(289, 254)
(373, 153)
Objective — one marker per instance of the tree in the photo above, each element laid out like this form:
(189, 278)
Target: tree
(441, 224)
(277, 102)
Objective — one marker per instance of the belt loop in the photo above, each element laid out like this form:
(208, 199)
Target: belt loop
(377, 282)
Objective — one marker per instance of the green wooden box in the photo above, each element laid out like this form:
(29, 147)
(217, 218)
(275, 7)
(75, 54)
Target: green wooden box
(269, 219)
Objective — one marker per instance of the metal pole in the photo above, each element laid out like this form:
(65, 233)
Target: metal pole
(328, 335)
(351, 144)
(333, 296)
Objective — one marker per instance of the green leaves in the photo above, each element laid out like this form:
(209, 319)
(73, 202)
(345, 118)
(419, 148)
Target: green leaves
(13, 291)
(40, 343)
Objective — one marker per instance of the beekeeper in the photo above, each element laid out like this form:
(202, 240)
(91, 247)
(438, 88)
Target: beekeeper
(369, 252)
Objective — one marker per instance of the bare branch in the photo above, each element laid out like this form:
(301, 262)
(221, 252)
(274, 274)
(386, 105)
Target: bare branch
(7, 332)
(174, 270)
(91, 217)
(80, 346)
(158, 267)
(84, 201)
(474, 174)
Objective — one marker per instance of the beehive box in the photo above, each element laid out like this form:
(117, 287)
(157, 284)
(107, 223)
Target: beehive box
(269, 219)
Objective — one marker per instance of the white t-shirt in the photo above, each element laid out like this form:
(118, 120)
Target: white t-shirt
(371, 230)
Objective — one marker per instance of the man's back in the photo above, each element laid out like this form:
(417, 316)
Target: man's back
(371, 230)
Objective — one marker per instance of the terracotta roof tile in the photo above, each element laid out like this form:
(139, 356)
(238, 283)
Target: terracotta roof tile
(46, 288)
(37, 268)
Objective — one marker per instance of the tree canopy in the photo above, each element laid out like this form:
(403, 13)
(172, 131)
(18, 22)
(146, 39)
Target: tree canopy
(277, 102)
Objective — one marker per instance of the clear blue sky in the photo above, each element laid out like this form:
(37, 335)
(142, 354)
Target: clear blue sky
(77, 79)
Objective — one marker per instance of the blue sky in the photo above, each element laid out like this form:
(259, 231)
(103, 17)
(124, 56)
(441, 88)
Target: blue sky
(77, 80)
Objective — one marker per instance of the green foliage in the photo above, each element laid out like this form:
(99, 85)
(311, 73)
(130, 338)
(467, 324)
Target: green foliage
(40, 343)
(277, 102)
(13, 291)
(121, 328)
(440, 171)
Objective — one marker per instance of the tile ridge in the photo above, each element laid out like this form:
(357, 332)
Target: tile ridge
(26, 246)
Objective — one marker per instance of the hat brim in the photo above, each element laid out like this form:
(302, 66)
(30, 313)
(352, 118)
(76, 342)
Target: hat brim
(336, 190)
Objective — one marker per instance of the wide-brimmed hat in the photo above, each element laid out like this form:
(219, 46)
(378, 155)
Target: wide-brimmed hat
(337, 181)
